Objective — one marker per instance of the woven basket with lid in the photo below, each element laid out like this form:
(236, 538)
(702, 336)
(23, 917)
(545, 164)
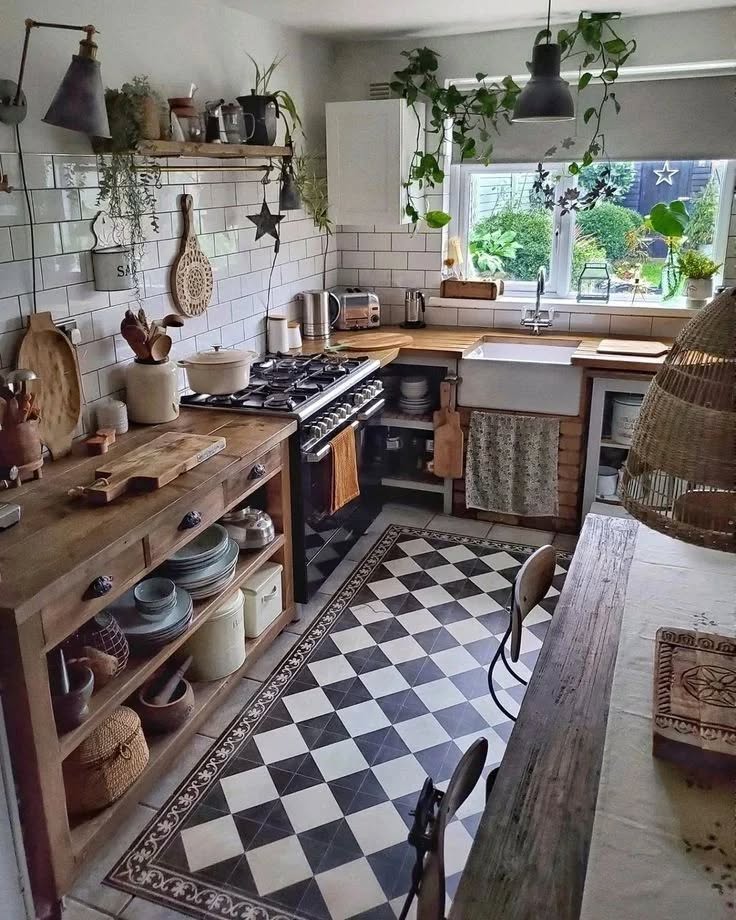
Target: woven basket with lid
(106, 764)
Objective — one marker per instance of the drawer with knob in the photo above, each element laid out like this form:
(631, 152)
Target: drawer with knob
(177, 526)
(90, 591)
(250, 476)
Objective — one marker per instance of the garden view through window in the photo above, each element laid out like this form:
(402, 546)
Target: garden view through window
(509, 234)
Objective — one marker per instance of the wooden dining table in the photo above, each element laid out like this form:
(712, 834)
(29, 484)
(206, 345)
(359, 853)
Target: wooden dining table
(561, 837)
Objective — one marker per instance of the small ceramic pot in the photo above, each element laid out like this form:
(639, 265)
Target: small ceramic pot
(698, 291)
(152, 392)
(154, 597)
(170, 716)
(72, 708)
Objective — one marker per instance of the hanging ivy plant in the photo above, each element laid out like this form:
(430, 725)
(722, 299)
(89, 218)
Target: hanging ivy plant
(478, 115)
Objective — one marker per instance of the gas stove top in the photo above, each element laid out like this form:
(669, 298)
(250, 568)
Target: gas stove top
(291, 385)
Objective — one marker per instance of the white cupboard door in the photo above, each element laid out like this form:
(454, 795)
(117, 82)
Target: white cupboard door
(369, 151)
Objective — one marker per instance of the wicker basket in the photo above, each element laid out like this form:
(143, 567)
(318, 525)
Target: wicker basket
(106, 764)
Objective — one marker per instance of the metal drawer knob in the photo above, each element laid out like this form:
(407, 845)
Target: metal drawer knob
(99, 587)
(258, 471)
(191, 519)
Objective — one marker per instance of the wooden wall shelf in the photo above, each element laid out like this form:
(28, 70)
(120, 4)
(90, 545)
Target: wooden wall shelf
(196, 149)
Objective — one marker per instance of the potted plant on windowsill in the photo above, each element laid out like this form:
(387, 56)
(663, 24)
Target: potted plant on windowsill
(697, 269)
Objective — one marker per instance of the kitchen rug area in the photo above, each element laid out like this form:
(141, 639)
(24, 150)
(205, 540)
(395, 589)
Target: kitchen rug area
(301, 809)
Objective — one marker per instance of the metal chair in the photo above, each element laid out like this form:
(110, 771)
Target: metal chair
(532, 582)
(433, 812)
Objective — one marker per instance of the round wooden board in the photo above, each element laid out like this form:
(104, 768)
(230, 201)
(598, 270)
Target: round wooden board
(48, 352)
(372, 341)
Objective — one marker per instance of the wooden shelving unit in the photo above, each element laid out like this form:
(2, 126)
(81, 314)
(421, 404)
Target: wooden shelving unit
(196, 149)
(104, 701)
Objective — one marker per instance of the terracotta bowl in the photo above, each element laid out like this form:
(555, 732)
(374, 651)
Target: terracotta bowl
(170, 716)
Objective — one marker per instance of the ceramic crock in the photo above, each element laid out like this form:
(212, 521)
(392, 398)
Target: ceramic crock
(152, 392)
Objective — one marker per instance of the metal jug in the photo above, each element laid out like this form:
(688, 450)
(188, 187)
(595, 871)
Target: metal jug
(321, 309)
(414, 310)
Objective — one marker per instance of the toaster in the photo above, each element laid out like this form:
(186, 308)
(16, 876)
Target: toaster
(359, 308)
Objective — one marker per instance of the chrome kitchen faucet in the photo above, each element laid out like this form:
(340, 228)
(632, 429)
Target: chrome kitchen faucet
(540, 317)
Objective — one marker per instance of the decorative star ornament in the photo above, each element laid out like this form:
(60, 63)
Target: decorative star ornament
(665, 174)
(266, 222)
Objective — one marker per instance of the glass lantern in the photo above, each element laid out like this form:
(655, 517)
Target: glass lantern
(594, 283)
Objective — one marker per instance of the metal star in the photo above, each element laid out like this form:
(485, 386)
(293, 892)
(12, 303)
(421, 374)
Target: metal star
(266, 222)
(665, 174)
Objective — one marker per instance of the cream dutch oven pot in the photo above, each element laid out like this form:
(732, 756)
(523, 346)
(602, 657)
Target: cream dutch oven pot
(218, 371)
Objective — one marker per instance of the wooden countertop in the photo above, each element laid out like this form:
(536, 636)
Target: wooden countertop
(457, 341)
(58, 534)
(530, 852)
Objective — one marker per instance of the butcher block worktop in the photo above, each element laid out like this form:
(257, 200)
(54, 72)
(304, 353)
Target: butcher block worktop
(458, 341)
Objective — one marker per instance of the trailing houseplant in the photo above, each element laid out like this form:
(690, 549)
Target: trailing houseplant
(268, 105)
(697, 269)
(478, 114)
(128, 182)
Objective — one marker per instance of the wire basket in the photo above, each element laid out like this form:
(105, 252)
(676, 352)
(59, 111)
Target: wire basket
(103, 632)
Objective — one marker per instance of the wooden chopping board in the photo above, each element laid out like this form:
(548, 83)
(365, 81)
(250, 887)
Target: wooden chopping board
(47, 351)
(449, 440)
(632, 347)
(152, 466)
(191, 273)
(372, 341)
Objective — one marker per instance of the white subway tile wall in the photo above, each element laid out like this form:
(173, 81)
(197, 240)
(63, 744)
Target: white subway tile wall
(64, 191)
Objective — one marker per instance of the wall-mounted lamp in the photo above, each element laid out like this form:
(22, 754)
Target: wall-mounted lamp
(79, 103)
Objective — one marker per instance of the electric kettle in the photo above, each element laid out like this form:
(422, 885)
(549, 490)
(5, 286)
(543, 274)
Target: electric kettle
(414, 309)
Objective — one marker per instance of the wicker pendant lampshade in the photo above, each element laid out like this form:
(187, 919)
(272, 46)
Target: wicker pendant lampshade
(680, 476)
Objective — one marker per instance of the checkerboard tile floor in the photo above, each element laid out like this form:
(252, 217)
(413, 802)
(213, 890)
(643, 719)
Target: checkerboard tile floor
(301, 809)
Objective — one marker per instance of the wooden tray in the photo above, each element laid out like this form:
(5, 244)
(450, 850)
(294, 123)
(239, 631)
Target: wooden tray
(152, 466)
(372, 341)
(47, 351)
(632, 347)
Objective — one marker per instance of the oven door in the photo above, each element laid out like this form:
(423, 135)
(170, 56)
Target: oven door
(328, 536)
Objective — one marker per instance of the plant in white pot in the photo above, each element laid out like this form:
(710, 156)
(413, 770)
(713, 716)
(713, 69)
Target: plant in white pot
(697, 269)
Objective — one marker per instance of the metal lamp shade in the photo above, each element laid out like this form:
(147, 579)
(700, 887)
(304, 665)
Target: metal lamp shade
(546, 97)
(680, 475)
(79, 103)
(289, 197)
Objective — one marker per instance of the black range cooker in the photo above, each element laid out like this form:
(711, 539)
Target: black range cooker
(325, 393)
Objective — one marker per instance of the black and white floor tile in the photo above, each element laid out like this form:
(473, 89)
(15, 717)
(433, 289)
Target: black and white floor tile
(301, 808)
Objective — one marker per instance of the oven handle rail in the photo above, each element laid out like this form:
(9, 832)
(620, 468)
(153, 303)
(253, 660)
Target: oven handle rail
(372, 410)
(318, 455)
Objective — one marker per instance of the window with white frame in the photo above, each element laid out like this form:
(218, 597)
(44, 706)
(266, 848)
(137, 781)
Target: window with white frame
(507, 233)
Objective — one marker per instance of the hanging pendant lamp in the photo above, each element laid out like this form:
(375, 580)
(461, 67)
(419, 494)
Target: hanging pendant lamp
(546, 97)
(680, 475)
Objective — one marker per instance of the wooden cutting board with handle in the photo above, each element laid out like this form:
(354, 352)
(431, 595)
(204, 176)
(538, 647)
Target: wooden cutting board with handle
(47, 351)
(151, 466)
(632, 347)
(191, 273)
(449, 440)
(372, 341)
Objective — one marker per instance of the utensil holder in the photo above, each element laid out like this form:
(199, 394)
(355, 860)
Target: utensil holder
(20, 444)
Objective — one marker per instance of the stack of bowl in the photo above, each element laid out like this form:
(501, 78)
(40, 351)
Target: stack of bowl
(205, 565)
(152, 613)
(415, 397)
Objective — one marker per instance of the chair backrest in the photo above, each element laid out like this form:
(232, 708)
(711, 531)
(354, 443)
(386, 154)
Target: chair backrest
(533, 581)
(431, 901)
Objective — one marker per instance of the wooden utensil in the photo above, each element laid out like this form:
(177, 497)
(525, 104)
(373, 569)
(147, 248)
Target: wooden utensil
(160, 347)
(151, 466)
(440, 415)
(59, 387)
(191, 273)
(138, 341)
(371, 341)
(632, 347)
(171, 319)
(449, 440)
(163, 695)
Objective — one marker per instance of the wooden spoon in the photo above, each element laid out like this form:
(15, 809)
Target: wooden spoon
(138, 341)
(171, 319)
(160, 347)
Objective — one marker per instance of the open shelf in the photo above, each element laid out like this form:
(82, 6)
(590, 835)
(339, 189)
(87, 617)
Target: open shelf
(395, 418)
(197, 149)
(617, 445)
(108, 698)
(415, 483)
(163, 748)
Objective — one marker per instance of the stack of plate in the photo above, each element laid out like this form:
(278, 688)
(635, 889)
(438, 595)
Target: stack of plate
(415, 398)
(205, 565)
(146, 631)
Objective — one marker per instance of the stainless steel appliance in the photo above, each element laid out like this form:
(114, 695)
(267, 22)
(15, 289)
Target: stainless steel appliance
(325, 393)
(320, 311)
(359, 308)
(414, 310)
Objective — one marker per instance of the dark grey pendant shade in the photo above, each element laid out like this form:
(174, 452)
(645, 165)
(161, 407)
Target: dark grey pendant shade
(289, 197)
(546, 97)
(79, 103)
